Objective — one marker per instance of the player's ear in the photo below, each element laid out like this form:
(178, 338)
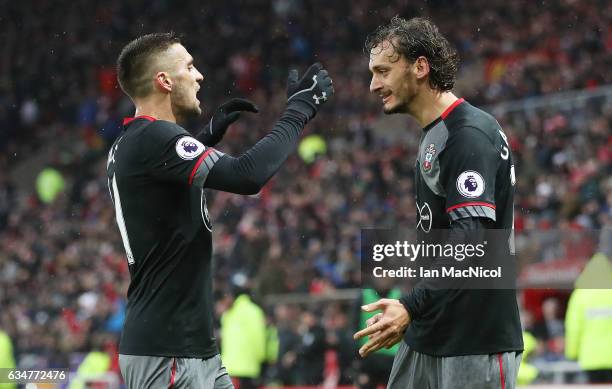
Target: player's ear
(163, 82)
(421, 67)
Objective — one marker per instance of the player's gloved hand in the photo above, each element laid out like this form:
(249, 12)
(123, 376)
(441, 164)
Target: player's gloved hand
(310, 92)
(225, 115)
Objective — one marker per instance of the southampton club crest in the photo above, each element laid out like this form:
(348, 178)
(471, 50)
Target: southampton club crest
(470, 184)
(188, 148)
(430, 151)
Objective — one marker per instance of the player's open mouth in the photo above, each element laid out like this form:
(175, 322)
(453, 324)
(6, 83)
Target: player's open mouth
(386, 99)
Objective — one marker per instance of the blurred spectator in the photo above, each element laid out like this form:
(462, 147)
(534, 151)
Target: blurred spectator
(310, 354)
(95, 363)
(339, 338)
(310, 147)
(243, 337)
(7, 359)
(527, 372)
(287, 318)
(7, 199)
(269, 370)
(551, 328)
(588, 320)
(49, 184)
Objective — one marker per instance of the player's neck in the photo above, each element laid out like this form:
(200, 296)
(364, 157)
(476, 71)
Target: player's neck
(430, 104)
(160, 110)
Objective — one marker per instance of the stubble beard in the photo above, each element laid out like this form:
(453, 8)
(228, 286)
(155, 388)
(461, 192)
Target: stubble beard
(405, 100)
(400, 107)
(403, 103)
(397, 108)
(185, 107)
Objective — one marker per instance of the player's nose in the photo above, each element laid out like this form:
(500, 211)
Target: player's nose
(375, 84)
(199, 76)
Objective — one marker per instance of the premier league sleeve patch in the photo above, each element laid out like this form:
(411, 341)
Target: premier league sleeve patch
(470, 184)
(188, 148)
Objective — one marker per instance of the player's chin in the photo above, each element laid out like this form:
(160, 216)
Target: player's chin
(195, 110)
(188, 113)
(392, 108)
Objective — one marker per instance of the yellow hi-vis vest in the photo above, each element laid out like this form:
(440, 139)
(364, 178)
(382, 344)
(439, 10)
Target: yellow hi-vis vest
(7, 360)
(588, 321)
(243, 338)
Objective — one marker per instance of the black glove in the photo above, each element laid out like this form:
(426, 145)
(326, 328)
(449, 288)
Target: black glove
(309, 93)
(225, 115)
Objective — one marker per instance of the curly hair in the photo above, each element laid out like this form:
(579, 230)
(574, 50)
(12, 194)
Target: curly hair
(420, 37)
(135, 59)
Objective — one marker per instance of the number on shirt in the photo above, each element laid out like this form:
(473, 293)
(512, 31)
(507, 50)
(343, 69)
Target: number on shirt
(114, 191)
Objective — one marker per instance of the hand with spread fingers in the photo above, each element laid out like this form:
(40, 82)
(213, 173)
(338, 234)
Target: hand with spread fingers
(309, 93)
(384, 329)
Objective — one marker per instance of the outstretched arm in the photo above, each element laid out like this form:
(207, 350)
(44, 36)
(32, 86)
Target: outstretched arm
(248, 173)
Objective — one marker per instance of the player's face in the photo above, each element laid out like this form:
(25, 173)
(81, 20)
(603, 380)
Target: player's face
(392, 79)
(186, 83)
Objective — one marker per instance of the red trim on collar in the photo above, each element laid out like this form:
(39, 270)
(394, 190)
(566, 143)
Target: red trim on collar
(451, 107)
(127, 121)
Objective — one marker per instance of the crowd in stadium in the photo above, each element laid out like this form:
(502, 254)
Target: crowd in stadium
(63, 273)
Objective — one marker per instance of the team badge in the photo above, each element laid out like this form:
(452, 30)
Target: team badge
(430, 151)
(470, 184)
(188, 148)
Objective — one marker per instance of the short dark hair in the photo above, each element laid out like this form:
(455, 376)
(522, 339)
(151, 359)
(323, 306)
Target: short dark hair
(420, 37)
(134, 58)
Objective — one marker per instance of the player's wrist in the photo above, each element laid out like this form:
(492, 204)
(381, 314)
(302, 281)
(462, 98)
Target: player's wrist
(406, 303)
(302, 107)
(205, 136)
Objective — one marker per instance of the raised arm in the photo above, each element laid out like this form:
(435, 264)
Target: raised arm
(248, 173)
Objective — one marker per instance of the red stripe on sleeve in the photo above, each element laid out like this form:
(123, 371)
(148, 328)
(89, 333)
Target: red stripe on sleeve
(470, 203)
(501, 372)
(173, 374)
(451, 107)
(197, 165)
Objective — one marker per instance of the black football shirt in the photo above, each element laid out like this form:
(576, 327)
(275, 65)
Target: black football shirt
(156, 173)
(464, 170)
